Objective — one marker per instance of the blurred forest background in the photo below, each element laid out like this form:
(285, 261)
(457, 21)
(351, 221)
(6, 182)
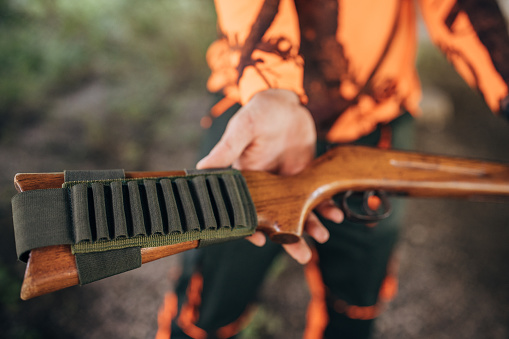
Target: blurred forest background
(121, 84)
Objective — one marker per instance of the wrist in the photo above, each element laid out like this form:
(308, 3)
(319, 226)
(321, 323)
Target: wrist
(279, 94)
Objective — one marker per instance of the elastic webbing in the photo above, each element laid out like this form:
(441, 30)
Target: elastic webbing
(155, 211)
(80, 175)
(95, 266)
(106, 222)
(101, 217)
(39, 220)
(100, 265)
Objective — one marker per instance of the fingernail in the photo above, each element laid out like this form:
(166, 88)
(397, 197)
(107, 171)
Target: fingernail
(257, 239)
(305, 257)
(200, 163)
(323, 235)
(337, 216)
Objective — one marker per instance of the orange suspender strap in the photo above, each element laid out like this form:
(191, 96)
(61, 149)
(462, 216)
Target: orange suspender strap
(166, 314)
(317, 316)
(190, 310)
(189, 314)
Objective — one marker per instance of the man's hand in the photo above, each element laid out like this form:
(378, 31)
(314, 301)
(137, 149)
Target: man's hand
(275, 133)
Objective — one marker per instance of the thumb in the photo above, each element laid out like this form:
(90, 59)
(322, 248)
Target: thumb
(237, 136)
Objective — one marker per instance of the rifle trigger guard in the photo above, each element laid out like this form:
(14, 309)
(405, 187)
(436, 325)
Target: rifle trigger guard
(368, 215)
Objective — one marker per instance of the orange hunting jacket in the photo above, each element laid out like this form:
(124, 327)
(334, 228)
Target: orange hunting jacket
(352, 62)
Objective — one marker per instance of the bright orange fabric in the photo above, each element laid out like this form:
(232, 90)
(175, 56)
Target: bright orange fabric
(166, 314)
(190, 310)
(317, 317)
(462, 46)
(361, 76)
(396, 75)
(235, 19)
(387, 292)
(189, 314)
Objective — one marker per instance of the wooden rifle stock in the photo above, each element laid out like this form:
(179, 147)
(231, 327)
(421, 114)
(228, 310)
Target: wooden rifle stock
(283, 203)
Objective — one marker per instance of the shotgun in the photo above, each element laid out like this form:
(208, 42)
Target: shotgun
(282, 203)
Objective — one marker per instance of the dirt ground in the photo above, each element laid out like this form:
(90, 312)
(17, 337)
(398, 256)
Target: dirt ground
(454, 276)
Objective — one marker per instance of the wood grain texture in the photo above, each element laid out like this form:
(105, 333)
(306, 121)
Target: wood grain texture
(49, 269)
(53, 268)
(283, 203)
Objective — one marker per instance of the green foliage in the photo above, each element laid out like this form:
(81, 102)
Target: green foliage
(143, 50)
(92, 84)
(264, 324)
(10, 288)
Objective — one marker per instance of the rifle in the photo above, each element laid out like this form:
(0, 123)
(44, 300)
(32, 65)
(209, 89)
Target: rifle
(282, 203)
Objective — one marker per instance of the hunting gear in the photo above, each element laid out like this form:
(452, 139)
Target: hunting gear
(297, 79)
(351, 66)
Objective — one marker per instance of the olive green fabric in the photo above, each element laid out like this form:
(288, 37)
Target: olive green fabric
(107, 219)
(80, 175)
(39, 221)
(160, 211)
(100, 265)
(97, 265)
(104, 215)
(223, 219)
(162, 240)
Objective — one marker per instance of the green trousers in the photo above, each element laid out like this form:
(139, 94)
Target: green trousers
(219, 283)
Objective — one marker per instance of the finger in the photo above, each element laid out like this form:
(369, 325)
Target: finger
(299, 251)
(330, 211)
(315, 229)
(257, 238)
(237, 136)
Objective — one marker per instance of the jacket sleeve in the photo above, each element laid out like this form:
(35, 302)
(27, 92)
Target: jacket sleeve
(473, 36)
(258, 49)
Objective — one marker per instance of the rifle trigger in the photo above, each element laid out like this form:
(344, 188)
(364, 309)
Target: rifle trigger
(364, 213)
